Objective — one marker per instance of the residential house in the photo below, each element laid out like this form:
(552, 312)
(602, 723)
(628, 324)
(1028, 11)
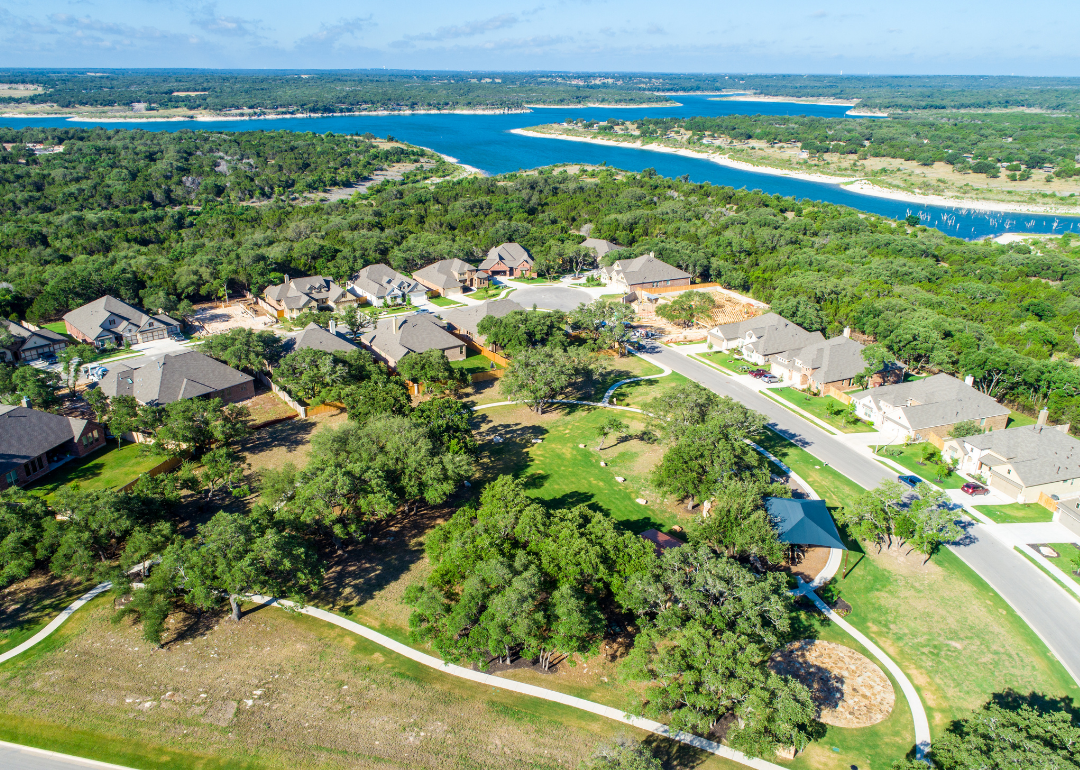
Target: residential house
(508, 260)
(312, 292)
(644, 272)
(761, 338)
(451, 276)
(176, 376)
(28, 344)
(382, 285)
(830, 364)
(394, 337)
(108, 320)
(316, 337)
(33, 442)
(930, 405)
(465, 320)
(1023, 462)
(1068, 513)
(600, 247)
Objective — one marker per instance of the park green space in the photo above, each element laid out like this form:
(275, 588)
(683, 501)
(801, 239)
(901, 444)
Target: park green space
(107, 468)
(947, 629)
(911, 458)
(819, 407)
(1015, 513)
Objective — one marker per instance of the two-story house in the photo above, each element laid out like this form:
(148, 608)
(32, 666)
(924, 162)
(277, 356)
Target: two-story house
(643, 273)
(313, 292)
(382, 285)
(508, 260)
(452, 276)
(761, 338)
(109, 320)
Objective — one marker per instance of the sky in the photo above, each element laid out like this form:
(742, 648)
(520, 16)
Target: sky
(988, 37)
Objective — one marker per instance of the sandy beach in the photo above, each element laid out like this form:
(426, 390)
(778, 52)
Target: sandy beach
(860, 186)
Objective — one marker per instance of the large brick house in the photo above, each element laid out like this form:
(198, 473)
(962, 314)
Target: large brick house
(451, 276)
(33, 442)
(508, 260)
(931, 405)
(643, 273)
(109, 320)
(395, 337)
(176, 376)
(312, 292)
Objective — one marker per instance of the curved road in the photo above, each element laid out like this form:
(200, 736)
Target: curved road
(1044, 605)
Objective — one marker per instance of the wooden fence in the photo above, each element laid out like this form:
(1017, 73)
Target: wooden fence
(280, 393)
(1048, 502)
(165, 467)
(325, 408)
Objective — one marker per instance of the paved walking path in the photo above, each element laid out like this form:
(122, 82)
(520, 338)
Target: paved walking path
(620, 383)
(56, 622)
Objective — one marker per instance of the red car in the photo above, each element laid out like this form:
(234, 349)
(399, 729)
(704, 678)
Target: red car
(758, 373)
(971, 488)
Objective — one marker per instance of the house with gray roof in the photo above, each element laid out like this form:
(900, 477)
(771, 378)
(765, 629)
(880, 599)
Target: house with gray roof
(382, 285)
(1022, 463)
(644, 272)
(933, 404)
(316, 337)
(395, 337)
(109, 320)
(508, 260)
(465, 320)
(452, 276)
(28, 344)
(600, 247)
(33, 442)
(312, 292)
(176, 376)
(761, 338)
(831, 363)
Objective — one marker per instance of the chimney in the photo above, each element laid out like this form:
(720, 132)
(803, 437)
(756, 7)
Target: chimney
(969, 381)
(1063, 428)
(333, 326)
(286, 278)
(1043, 415)
(847, 331)
(26, 402)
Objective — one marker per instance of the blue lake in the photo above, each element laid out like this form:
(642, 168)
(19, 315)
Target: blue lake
(485, 141)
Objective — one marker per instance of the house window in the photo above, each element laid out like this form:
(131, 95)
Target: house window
(11, 477)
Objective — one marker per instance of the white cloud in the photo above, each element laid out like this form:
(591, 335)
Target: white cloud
(468, 29)
(332, 34)
(209, 20)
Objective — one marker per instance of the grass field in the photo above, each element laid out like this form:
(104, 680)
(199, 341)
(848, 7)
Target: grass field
(474, 364)
(107, 468)
(818, 406)
(29, 605)
(445, 302)
(56, 326)
(1017, 419)
(910, 458)
(1015, 513)
(1067, 562)
(957, 640)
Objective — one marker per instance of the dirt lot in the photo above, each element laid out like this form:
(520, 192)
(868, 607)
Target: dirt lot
(284, 691)
(214, 319)
(266, 406)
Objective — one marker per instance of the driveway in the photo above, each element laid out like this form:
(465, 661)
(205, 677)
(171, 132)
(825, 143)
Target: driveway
(1052, 613)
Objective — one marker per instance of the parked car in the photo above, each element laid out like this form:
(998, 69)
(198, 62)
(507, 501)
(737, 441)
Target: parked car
(972, 488)
(758, 373)
(911, 481)
(772, 379)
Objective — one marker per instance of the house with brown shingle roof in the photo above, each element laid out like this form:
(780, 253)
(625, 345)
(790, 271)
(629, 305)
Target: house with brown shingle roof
(508, 260)
(452, 276)
(312, 292)
(644, 272)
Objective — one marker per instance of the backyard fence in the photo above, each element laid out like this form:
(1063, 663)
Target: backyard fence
(280, 393)
(1048, 502)
(165, 467)
(325, 408)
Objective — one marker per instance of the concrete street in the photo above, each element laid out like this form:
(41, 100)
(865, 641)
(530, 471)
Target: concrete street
(15, 757)
(1052, 613)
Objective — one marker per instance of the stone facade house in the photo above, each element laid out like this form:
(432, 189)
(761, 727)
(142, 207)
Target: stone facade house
(931, 405)
(382, 285)
(109, 320)
(395, 337)
(832, 364)
(761, 338)
(313, 292)
(452, 276)
(508, 260)
(644, 272)
(33, 442)
(465, 320)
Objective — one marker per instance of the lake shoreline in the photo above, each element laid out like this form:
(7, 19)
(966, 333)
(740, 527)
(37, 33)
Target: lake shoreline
(134, 117)
(860, 186)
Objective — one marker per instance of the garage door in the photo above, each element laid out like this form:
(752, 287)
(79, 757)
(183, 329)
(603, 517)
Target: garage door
(1006, 486)
(154, 334)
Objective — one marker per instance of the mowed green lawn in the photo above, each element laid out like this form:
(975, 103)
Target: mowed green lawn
(107, 468)
(957, 640)
(1015, 513)
(819, 407)
(475, 363)
(910, 458)
(445, 302)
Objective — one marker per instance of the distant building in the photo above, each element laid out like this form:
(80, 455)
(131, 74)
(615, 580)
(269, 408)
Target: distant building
(931, 405)
(29, 344)
(761, 338)
(33, 442)
(1022, 462)
(316, 337)
(395, 337)
(313, 292)
(109, 320)
(452, 276)
(643, 273)
(379, 285)
(600, 247)
(508, 260)
(175, 377)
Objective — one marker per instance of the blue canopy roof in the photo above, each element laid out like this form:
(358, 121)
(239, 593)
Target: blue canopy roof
(803, 522)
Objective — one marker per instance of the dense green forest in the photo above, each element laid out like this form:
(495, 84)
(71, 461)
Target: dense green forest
(324, 91)
(344, 91)
(1005, 314)
(1031, 140)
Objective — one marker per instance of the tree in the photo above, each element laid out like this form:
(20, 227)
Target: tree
(220, 469)
(433, 370)
(522, 329)
(357, 319)
(622, 754)
(243, 348)
(311, 375)
(379, 395)
(36, 386)
(607, 324)
(235, 554)
(877, 357)
(22, 519)
(737, 523)
(123, 415)
(538, 376)
(997, 737)
(71, 358)
(682, 406)
(610, 424)
(189, 427)
(965, 428)
(447, 423)
(708, 626)
(688, 308)
(927, 522)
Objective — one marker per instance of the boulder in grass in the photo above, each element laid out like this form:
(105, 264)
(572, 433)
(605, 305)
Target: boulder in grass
(603, 465)
(620, 479)
(643, 501)
(582, 446)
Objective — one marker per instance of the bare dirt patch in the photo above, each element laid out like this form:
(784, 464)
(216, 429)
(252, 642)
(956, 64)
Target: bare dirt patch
(847, 687)
(33, 602)
(266, 406)
(213, 319)
(286, 442)
(809, 562)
